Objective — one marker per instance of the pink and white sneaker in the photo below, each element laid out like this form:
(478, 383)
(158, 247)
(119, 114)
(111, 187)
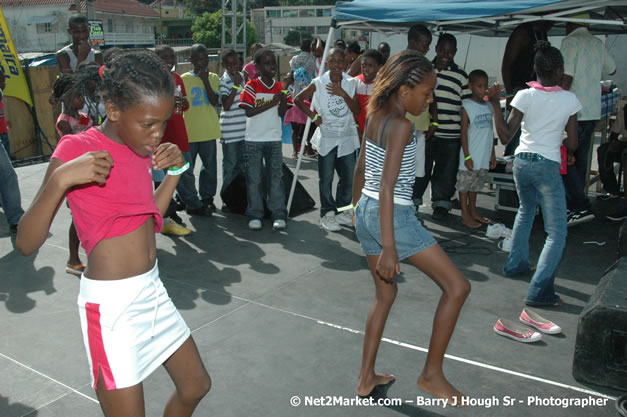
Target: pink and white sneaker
(516, 332)
(533, 319)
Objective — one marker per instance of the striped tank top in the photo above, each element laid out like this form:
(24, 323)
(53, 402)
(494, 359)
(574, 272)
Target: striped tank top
(375, 156)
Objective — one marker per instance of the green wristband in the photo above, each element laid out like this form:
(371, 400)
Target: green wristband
(178, 171)
(467, 158)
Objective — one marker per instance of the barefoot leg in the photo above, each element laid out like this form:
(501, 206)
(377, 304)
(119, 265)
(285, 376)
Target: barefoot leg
(472, 209)
(125, 402)
(455, 288)
(467, 219)
(190, 378)
(384, 297)
(296, 136)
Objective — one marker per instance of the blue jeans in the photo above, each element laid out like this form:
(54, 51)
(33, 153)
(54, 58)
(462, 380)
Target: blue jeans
(256, 153)
(10, 197)
(208, 178)
(441, 163)
(232, 162)
(345, 167)
(538, 182)
(575, 178)
(4, 137)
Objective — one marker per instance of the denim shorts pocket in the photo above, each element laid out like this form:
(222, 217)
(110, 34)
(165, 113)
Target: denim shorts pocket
(402, 216)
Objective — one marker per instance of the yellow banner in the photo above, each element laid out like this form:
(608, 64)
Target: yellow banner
(16, 82)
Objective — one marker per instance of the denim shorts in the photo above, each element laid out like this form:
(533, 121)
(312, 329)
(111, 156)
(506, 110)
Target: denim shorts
(410, 237)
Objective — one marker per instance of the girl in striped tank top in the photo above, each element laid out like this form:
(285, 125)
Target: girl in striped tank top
(387, 228)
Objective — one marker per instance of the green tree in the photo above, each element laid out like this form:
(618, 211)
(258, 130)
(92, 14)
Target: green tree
(207, 29)
(198, 7)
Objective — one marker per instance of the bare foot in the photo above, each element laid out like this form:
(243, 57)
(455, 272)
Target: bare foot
(481, 219)
(469, 222)
(439, 387)
(366, 385)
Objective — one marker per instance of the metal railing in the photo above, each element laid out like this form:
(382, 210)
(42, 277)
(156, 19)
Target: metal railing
(120, 38)
(176, 41)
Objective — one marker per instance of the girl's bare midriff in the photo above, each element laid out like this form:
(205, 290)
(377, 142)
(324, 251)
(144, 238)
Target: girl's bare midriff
(124, 256)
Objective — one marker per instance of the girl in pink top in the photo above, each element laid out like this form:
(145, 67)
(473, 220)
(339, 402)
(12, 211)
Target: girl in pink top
(130, 325)
(71, 121)
(250, 69)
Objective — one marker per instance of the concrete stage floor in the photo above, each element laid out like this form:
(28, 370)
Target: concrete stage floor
(278, 319)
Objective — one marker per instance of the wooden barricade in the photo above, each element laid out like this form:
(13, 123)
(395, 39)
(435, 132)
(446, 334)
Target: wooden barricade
(24, 142)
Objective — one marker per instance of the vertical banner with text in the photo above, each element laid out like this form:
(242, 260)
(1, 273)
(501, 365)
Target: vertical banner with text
(96, 32)
(15, 79)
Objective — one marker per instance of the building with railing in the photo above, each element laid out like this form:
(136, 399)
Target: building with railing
(41, 25)
(175, 23)
(274, 23)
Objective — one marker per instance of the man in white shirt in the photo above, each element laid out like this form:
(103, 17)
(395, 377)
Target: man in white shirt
(585, 61)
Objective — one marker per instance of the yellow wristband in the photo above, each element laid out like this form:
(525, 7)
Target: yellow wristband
(315, 118)
(467, 158)
(436, 124)
(345, 208)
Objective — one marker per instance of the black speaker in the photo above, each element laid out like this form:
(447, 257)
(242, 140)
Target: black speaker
(601, 344)
(234, 196)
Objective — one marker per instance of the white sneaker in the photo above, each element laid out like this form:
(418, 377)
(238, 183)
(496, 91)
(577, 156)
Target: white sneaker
(498, 230)
(345, 218)
(279, 224)
(329, 222)
(506, 244)
(254, 224)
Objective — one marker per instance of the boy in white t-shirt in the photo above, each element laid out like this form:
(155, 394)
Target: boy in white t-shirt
(477, 152)
(335, 139)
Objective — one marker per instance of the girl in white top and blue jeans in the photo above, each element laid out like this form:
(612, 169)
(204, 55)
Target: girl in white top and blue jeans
(543, 111)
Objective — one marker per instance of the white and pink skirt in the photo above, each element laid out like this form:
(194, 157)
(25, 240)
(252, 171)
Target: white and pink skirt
(130, 327)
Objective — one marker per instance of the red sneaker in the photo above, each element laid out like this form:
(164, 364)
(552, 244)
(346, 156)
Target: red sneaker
(533, 319)
(516, 332)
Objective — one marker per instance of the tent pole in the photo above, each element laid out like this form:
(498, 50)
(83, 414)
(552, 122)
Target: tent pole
(327, 46)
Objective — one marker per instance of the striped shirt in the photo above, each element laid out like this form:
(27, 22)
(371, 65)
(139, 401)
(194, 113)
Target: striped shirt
(375, 156)
(452, 88)
(232, 121)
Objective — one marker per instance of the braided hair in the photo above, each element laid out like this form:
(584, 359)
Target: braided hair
(87, 82)
(406, 67)
(133, 75)
(547, 60)
(63, 87)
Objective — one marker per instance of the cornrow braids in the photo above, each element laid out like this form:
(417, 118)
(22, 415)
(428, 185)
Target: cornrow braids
(406, 67)
(87, 82)
(63, 86)
(547, 59)
(133, 75)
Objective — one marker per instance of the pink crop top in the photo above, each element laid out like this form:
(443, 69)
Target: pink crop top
(123, 204)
